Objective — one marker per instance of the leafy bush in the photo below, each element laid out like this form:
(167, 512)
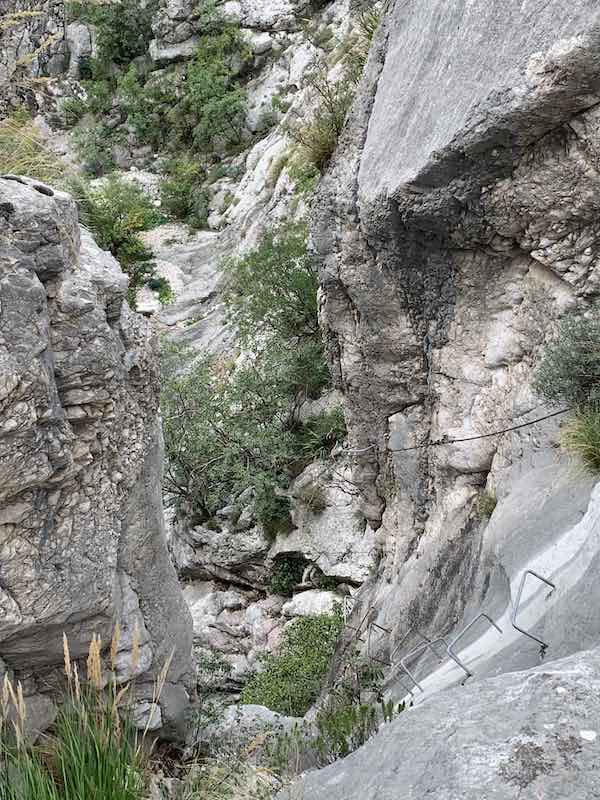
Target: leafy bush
(286, 574)
(124, 29)
(115, 212)
(581, 437)
(318, 138)
(224, 433)
(24, 151)
(319, 434)
(570, 366)
(181, 193)
(291, 680)
(213, 107)
(273, 289)
(94, 146)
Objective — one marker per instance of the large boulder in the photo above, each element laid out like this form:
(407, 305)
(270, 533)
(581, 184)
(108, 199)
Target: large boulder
(528, 734)
(82, 535)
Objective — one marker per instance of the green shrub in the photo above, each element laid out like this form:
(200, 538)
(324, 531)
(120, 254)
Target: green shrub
(319, 137)
(115, 212)
(273, 289)
(94, 146)
(291, 680)
(581, 438)
(93, 750)
(24, 150)
(123, 29)
(319, 434)
(211, 113)
(286, 574)
(570, 368)
(486, 504)
(272, 509)
(181, 191)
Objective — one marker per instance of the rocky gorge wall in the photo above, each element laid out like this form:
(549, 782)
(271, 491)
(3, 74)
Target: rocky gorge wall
(454, 229)
(82, 535)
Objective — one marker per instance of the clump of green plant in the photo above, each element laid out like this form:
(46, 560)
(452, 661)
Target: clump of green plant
(319, 434)
(570, 368)
(24, 150)
(94, 146)
(291, 680)
(116, 211)
(486, 504)
(318, 138)
(569, 372)
(348, 716)
(123, 29)
(93, 749)
(581, 437)
(227, 432)
(181, 191)
(274, 287)
(286, 574)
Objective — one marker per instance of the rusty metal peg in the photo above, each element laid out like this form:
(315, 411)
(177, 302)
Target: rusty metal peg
(452, 644)
(513, 618)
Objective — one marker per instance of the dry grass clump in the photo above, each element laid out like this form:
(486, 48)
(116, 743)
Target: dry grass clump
(581, 438)
(93, 750)
(23, 150)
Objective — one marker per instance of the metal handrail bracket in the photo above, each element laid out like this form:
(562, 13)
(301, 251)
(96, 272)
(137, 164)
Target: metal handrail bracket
(513, 618)
(450, 648)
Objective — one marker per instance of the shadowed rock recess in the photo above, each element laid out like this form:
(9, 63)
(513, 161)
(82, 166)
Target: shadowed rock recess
(82, 539)
(456, 224)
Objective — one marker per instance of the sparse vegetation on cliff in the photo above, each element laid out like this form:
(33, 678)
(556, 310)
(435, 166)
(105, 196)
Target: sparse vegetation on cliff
(226, 432)
(569, 372)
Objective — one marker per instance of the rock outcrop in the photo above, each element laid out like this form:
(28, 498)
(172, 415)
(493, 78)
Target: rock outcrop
(456, 226)
(82, 537)
(527, 734)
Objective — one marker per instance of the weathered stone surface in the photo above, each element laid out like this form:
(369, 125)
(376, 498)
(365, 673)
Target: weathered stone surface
(329, 529)
(310, 604)
(82, 538)
(529, 734)
(81, 45)
(454, 229)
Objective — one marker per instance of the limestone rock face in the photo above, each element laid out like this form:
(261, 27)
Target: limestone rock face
(82, 538)
(454, 229)
(528, 734)
(31, 45)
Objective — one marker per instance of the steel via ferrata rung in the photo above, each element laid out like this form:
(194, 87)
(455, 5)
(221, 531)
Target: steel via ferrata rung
(513, 617)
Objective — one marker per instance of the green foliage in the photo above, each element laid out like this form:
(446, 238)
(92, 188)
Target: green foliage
(115, 212)
(318, 138)
(273, 289)
(570, 368)
(224, 433)
(94, 146)
(124, 29)
(291, 680)
(319, 434)
(213, 107)
(486, 504)
(24, 151)
(286, 574)
(181, 193)
(93, 751)
(581, 438)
